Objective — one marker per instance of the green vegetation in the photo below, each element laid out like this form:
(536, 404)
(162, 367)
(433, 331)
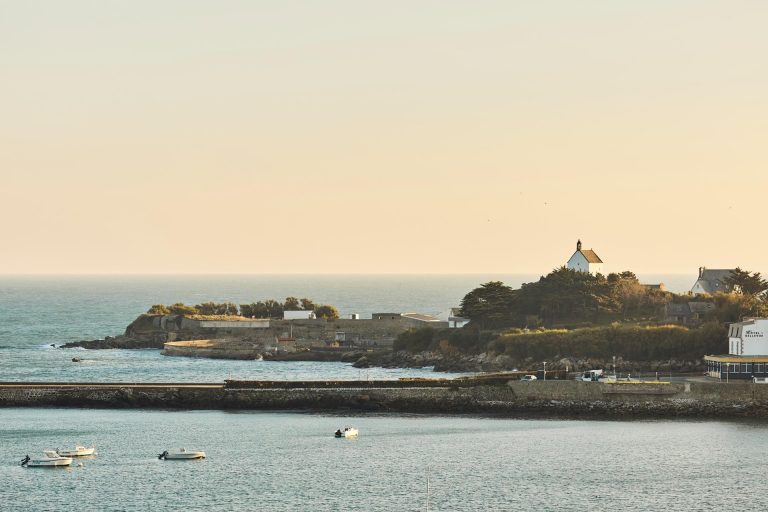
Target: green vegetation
(563, 297)
(447, 341)
(747, 283)
(327, 312)
(631, 342)
(262, 309)
(568, 298)
(159, 309)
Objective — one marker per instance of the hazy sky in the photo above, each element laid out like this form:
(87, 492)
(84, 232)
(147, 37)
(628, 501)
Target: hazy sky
(398, 136)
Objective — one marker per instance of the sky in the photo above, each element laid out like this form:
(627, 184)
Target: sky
(437, 136)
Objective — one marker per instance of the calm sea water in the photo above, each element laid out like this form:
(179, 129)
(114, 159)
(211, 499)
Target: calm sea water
(290, 461)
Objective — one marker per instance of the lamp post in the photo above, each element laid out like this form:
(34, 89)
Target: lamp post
(545, 370)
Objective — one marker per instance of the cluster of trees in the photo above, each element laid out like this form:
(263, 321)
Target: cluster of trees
(262, 309)
(566, 297)
(563, 296)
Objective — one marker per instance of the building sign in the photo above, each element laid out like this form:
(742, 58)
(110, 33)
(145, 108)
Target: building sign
(753, 334)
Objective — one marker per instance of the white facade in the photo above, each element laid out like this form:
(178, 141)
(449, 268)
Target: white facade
(579, 263)
(452, 317)
(748, 338)
(298, 315)
(585, 261)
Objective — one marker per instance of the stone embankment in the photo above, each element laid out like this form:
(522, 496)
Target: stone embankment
(564, 399)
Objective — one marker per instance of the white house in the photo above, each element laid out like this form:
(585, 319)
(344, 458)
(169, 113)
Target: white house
(452, 317)
(712, 280)
(748, 338)
(585, 260)
(299, 315)
(747, 356)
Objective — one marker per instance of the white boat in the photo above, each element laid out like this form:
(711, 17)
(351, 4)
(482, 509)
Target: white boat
(50, 459)
(347, 432)
(78, 451)
(181, 454)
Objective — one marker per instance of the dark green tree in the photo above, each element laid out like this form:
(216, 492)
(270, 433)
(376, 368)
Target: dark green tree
(291, 304)
(489, 306)
(746, 282)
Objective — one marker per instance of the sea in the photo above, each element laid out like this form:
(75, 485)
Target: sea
(283, 461)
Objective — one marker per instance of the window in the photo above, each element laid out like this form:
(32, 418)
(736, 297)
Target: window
(749, 367)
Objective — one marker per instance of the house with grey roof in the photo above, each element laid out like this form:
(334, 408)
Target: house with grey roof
(585, 260)
(712, 280)
(687, 313)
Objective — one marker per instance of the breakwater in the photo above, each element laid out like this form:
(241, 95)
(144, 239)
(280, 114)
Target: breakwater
(564, 399)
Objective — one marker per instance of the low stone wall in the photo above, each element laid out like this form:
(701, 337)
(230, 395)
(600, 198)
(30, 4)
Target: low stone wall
(514, 399)
(213, 349)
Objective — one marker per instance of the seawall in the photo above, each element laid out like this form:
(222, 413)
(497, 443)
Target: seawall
(564, 399)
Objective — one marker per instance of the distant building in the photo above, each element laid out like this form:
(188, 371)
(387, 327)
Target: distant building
(660, 287)
(299, 315)
(712, 280)
(452, 317)
(585, 260)
(747, 352)
(416, 320)
(385, 316)
(687, 313)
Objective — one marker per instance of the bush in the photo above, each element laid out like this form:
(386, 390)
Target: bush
(629, 342)
(158, 309)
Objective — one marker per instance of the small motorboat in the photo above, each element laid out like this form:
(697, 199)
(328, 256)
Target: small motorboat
(181, 454)
(78, 451)
(50, 459)
(347, 432)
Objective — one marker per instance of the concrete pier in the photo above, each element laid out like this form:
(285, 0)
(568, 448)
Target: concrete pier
(512, 399)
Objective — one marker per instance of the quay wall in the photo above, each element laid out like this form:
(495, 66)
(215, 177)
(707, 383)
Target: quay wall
(564, 399)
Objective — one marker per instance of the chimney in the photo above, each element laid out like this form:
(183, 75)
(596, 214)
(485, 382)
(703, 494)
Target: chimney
(701, 271)
(578, 245)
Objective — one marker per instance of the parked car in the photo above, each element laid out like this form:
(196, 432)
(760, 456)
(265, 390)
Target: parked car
(528, 377)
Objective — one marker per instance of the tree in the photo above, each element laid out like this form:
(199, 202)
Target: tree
(327, 312)
(746, 282)
(291, 304)
(273, 309)
(307, 305)
(490, 305)
(158, 309)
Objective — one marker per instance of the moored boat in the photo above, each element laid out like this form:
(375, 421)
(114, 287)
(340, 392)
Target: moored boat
(347, 432)
(50, 459)
(182, 454)
(78, 451)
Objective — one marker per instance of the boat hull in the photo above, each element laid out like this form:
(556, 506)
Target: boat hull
(77, 452)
